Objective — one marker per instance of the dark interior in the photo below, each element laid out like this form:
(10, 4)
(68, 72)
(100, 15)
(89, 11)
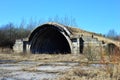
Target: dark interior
(111, 48)
(49, 40)
(81, 44)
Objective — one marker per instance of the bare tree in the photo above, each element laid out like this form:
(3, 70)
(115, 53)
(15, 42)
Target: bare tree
(68, 21)
(112, 34)
(9, 33)
(7, 36)
(31, 24)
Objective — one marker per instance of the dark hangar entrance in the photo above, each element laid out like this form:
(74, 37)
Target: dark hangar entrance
(49, 38)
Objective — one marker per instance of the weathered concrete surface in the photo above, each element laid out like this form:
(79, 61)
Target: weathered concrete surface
(56, 38)
(37, 70)
(32, 70)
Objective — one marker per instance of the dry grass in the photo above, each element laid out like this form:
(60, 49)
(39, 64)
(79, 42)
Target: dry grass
(44, 57)
(111, 70)
(92, 74)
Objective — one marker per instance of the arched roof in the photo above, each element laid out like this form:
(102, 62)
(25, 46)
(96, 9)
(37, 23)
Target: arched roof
(56, 26)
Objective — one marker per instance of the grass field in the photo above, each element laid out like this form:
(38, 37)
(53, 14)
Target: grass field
(106, 68)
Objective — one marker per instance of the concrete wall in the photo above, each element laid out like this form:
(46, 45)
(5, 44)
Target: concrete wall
(21, 45)
(24, 45)
(18, 46)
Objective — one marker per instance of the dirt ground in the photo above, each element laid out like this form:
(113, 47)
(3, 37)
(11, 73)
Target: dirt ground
(55, 67)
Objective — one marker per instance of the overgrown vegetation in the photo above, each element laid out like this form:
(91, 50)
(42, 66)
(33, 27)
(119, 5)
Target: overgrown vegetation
(90, 52)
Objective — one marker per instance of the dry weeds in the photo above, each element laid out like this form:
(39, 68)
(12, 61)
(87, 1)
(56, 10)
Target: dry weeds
(44, 57)
(111, 70)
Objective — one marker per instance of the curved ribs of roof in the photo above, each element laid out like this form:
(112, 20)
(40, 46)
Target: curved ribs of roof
(56, 26)
(50, 38)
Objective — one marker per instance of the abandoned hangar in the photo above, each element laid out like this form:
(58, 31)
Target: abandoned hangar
(57, 38)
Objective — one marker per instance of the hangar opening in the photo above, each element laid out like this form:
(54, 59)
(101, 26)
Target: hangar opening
(50, 38)
(112, 48)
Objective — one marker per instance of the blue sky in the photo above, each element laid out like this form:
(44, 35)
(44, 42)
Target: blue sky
(93, 15)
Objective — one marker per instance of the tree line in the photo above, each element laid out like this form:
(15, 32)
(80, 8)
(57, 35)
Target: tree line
(10, 32)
